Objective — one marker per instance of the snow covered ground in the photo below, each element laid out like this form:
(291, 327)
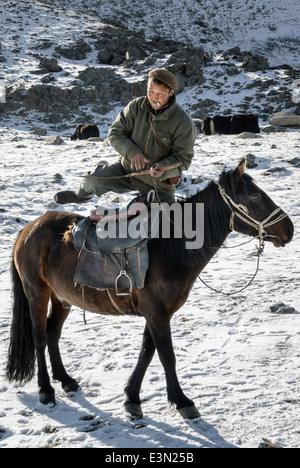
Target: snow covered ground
(236, 359)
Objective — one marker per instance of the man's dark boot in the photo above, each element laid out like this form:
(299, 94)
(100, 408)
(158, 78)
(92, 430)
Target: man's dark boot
(68, 196)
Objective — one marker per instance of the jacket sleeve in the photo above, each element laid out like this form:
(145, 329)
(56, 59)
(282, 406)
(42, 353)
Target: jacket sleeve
(119, 135)
(182, 150)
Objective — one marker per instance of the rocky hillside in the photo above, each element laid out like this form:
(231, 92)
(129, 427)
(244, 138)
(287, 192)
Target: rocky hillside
(261, 26)
(66, 62)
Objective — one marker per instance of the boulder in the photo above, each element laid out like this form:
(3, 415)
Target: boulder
(295, 162)
(285, 119)
(74, 51)
(50, 64)
(109, 87)
(39, 131)
(246, 135)
(116, 46)
(96, 139)
(250, 62)
(186, 64)
(251, 161)
(281, 308)
(54, 140)
(43, 97)
(254, 63)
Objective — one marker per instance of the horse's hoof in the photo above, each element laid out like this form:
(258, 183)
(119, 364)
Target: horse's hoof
(189, 412)
(46, 398)
(134, 410)
(71, 387)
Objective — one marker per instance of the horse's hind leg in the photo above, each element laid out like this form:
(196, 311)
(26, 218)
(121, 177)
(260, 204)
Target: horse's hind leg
(38, 299)
(58, 315)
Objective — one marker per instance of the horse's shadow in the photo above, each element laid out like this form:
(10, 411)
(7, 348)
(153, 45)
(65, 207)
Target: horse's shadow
(124, 432)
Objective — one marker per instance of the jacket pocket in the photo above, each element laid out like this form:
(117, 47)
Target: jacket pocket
(165, 138)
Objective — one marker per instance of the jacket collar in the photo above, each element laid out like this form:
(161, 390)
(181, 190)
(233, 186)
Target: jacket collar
(166, 109)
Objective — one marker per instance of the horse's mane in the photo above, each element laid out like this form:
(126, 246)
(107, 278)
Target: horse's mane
(67, 237)
(216, 225)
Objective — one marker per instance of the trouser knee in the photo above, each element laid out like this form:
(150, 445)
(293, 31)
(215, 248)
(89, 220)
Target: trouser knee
(82, 195)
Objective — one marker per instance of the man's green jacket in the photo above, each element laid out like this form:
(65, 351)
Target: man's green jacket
(167, 137)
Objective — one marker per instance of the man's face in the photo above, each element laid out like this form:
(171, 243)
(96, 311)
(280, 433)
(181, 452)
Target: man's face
(158, 94)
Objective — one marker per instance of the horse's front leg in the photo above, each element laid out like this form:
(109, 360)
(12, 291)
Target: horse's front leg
(133, 387)
(159, 326)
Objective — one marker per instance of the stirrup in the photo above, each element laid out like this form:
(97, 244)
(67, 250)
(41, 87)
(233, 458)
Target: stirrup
(123, 273)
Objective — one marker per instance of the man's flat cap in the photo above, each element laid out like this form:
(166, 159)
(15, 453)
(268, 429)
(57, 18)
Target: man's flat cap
(165, 76)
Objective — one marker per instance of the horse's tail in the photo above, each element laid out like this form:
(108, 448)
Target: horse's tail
(21, 354)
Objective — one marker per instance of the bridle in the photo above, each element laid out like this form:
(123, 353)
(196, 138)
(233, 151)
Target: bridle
(242, 212)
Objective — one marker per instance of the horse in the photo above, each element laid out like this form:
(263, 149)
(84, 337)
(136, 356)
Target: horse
(44, 264)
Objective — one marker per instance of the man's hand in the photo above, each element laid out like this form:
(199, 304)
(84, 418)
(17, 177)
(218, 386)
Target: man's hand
(156, 171)
(138, 162)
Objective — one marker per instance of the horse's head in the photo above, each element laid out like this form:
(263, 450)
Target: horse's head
(253, 211)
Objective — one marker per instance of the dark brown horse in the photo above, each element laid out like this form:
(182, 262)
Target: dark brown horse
(43, 270)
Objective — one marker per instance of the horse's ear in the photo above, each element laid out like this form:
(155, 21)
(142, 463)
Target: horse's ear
(240, 170)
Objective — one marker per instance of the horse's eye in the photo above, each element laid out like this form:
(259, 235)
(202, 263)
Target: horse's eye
(255, 196)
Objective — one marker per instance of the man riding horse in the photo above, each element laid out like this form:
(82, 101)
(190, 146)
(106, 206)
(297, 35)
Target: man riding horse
(151, 133)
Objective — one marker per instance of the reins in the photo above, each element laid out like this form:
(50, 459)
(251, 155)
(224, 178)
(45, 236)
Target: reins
(259, 252)
(132, 174)
(242, 212)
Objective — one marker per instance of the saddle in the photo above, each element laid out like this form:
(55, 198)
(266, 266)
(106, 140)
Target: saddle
(112, 246)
